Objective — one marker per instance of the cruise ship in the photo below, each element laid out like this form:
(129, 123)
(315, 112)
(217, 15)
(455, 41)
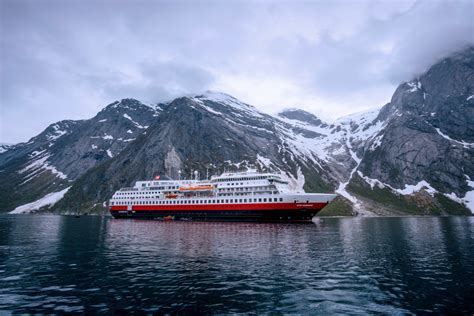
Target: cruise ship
(237, 196)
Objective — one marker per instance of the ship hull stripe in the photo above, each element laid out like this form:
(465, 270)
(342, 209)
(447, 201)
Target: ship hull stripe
(222, 207)
(279, 212)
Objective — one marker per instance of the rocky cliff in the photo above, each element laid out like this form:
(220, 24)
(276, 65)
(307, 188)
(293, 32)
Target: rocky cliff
(412, 156)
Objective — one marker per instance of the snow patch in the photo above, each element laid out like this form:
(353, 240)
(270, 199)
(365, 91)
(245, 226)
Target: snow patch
(343, 185)
(48, 199)
(469, 200)
(470, 97)
(230, 101)
(463, 143)
(294, 184)
(5, 147)
(415, 86)
(94, 146)
(39, 165)
(236, 164)
(469, 197)
(136, 124)
(56, 134)
(102, 121)
(377, 142)
(372, 182)
(410, 189)
(106, 136)
(264, 161)
(109, 153)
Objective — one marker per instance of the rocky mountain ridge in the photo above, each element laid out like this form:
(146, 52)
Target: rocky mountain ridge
(413, 156)
(54, 159)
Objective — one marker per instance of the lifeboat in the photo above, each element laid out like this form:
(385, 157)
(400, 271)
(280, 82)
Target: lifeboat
(202, 187)
(171, 196)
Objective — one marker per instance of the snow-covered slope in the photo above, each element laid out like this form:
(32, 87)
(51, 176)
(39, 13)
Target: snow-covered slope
(414, 155)
(52, 160)
(48, 200)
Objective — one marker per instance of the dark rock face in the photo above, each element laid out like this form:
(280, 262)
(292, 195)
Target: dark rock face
(413, 156)
(65, 150)
(429, 130)
(302, 116)
(201, 134)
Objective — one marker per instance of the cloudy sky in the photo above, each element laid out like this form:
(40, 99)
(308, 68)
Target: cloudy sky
(68, 59)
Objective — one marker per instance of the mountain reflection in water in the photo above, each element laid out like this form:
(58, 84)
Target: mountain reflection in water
(347, 265)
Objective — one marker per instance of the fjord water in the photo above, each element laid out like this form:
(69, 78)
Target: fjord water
(346, 265)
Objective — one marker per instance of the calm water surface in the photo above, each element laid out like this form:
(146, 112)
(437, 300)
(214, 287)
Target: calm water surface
(361, 265)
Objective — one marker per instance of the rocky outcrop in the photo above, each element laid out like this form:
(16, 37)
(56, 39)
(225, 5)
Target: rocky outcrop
(428, 134)
(65, 150)
(413, 156)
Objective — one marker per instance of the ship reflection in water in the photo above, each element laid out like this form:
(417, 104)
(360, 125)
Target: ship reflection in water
(53, 264)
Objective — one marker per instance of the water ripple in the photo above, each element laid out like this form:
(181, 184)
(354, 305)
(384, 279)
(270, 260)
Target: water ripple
(51, 264)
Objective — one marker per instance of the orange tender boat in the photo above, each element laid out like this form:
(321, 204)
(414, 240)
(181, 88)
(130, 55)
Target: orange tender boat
(205, 187)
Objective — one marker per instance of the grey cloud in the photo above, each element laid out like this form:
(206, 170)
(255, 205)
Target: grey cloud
(67, 59)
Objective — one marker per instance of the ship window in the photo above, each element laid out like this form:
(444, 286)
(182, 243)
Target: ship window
(260, 200)
(275, 199)
(264, 200)
(227, 201)
(213, 201)
(281, 199)
(245, 200)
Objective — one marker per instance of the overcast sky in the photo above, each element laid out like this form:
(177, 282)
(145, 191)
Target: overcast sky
(68, 59)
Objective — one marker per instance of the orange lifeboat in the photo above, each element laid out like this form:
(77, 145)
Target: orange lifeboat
(171, 196)
(204, 187)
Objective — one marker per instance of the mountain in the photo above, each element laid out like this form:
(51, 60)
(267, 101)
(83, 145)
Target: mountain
(423, 159)
(412, 156)
(54, 159)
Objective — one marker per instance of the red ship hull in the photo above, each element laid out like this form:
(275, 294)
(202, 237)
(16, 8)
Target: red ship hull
(222, 212)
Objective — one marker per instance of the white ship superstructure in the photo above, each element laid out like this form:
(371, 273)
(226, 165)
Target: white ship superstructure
(237, 195)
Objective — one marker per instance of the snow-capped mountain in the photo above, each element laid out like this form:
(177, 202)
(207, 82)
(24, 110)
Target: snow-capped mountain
(54, 159)
(414, 155)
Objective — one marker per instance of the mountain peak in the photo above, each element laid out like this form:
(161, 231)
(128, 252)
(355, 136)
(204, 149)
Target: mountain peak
(127, 103)
(300, 115)
(216, 95)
